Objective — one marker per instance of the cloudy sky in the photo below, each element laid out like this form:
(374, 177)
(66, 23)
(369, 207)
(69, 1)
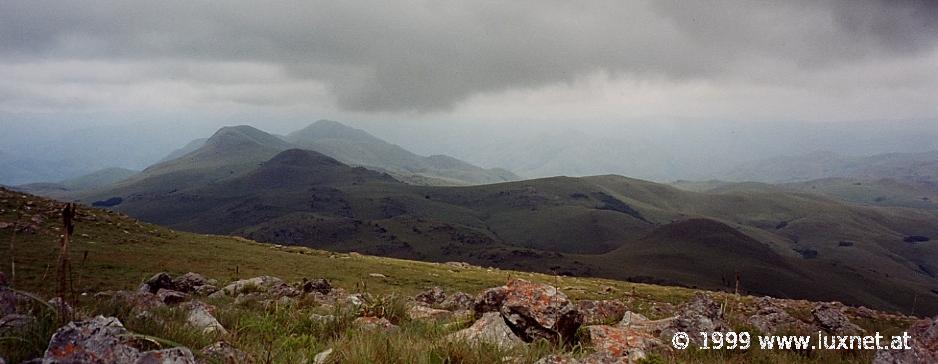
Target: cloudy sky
(439, 60)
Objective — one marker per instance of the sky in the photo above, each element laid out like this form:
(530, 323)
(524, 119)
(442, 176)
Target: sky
(190, 66)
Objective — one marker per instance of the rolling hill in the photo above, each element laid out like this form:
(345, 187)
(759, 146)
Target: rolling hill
(63, 189)
(779, 241)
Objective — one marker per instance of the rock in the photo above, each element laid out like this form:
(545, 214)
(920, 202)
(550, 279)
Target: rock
(99, 340)
(491, 329)
(188, 282)
(539, 311)
(629, 344)
(635, 321)
(458, 301)
(7, 301)
(141, 303)
(369, 323)
(322, 357)
(600, 312)
(830, 318)
(431, 297)
(256, 284)
(355, 300)
(924, 344)
(772, 319)
(458, 265)
(200, 316)
(489, 300)
(377, 275)
(205, 290)
(320, 285)
(171, 297)
(157, 281)
(321, 318)
(223, 352)
(700, 314)
(15, 322)
(419, 312)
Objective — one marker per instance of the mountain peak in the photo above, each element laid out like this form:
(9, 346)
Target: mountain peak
(328, 129)
(302, 157)
(244, 134)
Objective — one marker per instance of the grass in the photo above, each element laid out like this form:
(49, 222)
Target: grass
(111, 251)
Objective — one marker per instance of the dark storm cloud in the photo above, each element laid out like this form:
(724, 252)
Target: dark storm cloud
(426, 56)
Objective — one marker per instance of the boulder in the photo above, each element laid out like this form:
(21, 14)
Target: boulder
(223, 352)
(431, 297)
(700, 314)
(635, 321)
(262, 284)
(205, 290)
(200, 316)
(322, 357)
(628, 344)
(539, 311)
(489, 300)
(171, 297)
(491, 329)
(830, 317)
(99, 340)
(189, 282)
(924, 344)
(600, 312)
(420, 312)
(772, 319)
(320, 285)
(458, 301)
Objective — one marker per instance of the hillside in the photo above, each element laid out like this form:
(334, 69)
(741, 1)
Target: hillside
(578, 226)
(113, 252)
(357, 147)
(64, 189)
(906, 167)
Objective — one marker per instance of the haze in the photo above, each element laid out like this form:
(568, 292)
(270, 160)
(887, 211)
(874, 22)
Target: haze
(681, 91)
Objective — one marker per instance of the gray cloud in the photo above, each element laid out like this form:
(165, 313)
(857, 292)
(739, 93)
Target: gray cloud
(430, 56)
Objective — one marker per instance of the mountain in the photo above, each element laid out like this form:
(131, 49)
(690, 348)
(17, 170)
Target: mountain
(357, 147)
(608, 226)
(912, 167)
(94, 180)
(186, 149)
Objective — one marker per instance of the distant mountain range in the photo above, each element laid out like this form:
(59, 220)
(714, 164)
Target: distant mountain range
(243, 181)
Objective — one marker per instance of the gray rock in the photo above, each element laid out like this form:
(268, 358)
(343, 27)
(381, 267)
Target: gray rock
(489, 300)
(99, 340)
(166, 356)
(458, 301)
(924, 343)
(491, 329)
(205, 290)
(223, 352)
(171, 297)
(200, 316)
(322, 357)
(830, 318)
(320, 285)
(539, 311)
(188, 282)
(262, 283)
(772, 319)
(431, 297)
(157, 281)
(700, 314)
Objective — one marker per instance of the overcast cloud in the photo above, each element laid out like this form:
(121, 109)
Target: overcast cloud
(735, 59)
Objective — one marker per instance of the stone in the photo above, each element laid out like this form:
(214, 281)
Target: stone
(539, 311)
(141, 303)
(830, 317)
(205, 290)
(600, 312)
(99, 340)
(369, 323)
(491, 329)
(7, 301)
(431, 297)
(320, 285)
(157, 281)
(700, 314)
(200, 316)
(635, 321)
(256, 284)
(377, 275)
(420, 312)
(622, 343)
(223, 352)
(458, 301)
(322, 357)
(772, 319)
(489, 300)
(188, 282)
(171, 297)
(924, 344)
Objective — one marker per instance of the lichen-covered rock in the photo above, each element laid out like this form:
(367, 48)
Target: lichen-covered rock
(100, 340)
(320, 285)
(201, 316)
(458, 301)
(420, 312)
(600, 312)
(157, 281)
(923, 341)
(205, 290)
(223, 352)
(431, 297)
(700, 314)
(622, 343)
(539, 311)
(491, 329)
(369, 323)
(171, 297)
(830, 317)
(772, 319)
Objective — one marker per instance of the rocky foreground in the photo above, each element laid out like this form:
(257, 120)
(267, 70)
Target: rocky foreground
(520, 314)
